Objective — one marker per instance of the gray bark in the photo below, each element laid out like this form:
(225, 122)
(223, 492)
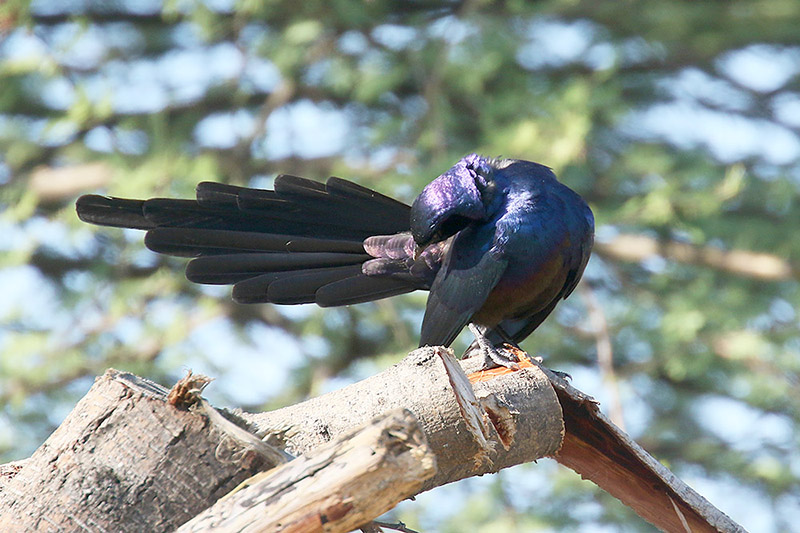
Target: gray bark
(127, 460)
(419, 383)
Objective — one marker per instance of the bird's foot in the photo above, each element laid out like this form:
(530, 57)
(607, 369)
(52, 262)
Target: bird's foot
(493, 356)
(507, 355)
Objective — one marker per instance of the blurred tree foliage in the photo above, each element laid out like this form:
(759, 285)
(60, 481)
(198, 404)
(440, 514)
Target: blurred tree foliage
(678, 122)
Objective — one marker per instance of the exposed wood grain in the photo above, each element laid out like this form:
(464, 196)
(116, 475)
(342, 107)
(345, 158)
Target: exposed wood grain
(334, 488)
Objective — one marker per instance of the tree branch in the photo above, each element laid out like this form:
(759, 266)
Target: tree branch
(599, 451)
(629, 247)
(126, 459)
(343, 484)
(421, 384)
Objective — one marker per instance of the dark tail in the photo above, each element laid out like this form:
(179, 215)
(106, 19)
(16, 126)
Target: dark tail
(299, 243)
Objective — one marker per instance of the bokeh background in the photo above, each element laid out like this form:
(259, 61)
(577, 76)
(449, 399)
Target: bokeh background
(678, 121)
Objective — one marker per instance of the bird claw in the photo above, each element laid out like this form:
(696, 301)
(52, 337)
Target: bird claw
(492, 355)
(509, 356)
(499, 357)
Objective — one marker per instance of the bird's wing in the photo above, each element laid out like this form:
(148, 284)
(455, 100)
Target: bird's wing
(576, 256)
(581, 230)
(456, 295)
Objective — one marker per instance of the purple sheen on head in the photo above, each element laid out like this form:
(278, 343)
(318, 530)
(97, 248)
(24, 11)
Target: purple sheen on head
(449, 199)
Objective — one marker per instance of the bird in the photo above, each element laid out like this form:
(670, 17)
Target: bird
(497, 242)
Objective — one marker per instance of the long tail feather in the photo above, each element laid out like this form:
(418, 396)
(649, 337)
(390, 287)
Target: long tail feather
(190, 242)
(296, 287)
(117, 212)
(299, 243)
(359, 289)
(230, 268)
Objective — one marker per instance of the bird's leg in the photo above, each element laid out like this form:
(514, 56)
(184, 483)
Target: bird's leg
(492, 356)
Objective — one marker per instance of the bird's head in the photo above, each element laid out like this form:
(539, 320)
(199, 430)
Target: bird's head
(453, 200)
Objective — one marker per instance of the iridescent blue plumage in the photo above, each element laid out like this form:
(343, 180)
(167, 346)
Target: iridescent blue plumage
(507, 270)
(498, 242)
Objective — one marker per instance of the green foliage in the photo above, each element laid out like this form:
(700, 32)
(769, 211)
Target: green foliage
(678, 121)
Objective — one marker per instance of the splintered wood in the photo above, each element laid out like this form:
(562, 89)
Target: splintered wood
(477, 420)
(334, 488)
(486, 417)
